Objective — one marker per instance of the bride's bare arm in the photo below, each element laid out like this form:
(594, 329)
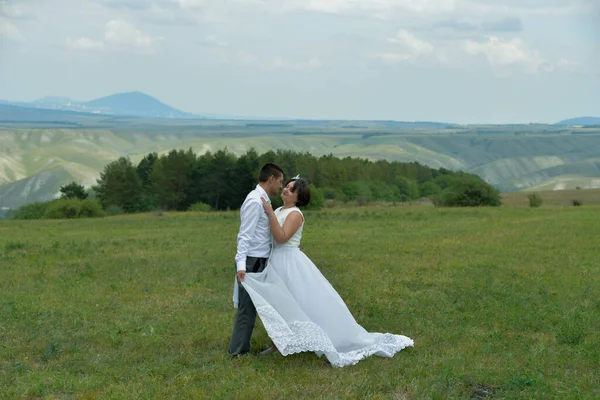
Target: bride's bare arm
(292, 223)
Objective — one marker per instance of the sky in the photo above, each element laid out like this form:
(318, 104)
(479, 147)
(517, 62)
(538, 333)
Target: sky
(456, 61)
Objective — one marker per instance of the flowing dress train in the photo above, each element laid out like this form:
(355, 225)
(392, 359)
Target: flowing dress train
(301, 311)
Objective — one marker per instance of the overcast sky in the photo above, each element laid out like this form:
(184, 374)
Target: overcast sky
(464, 61)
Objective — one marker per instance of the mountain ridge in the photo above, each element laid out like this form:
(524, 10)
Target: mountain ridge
(140, 104)
(580, 121)
(130, 104)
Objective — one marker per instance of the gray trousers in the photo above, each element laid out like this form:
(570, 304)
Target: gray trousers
(245, 316)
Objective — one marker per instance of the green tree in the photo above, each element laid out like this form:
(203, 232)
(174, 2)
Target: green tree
(384, 192)
(429, 188)
(73, 191)
(354, 190)
(119, 185)
(245, 177)
(317, 200)
(171, 179)
(408, 188)
(144, 169)
(468, 191)
(216, 180)
(444, 181)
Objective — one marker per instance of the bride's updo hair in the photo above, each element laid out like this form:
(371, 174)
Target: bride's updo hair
(300, 187)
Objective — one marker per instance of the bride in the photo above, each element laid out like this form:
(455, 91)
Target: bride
(299, 308)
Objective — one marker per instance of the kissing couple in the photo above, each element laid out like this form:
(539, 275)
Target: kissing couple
(297, 305)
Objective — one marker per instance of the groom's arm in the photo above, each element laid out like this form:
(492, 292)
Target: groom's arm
(250, 216)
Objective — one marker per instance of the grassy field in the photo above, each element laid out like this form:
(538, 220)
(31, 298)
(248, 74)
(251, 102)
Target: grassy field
(501, 303)
(554, 197)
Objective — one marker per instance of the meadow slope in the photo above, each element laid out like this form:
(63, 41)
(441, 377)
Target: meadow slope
(499, 301)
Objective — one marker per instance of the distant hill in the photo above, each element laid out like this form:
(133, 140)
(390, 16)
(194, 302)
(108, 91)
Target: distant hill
(21, 114)
(581, 121)
(36, 158)
(130, 104)
(135, 104)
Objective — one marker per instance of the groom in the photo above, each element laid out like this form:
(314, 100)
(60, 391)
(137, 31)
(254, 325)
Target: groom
(253, 249)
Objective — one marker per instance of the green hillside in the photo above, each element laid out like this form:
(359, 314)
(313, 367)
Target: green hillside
(502, 303)
(35, 159)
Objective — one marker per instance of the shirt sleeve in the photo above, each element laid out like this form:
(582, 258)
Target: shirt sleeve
(250, 216)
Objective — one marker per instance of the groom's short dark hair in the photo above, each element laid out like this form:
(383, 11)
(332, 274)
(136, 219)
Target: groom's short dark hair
(269, 169)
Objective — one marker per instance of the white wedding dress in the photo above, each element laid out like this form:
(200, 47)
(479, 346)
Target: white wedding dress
(301, 311)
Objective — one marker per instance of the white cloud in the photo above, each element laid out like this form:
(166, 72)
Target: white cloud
(345, 6)
(11, 10)
(530, 7)
(503, 53)
(410, 48)
(119, 35)
(10, 31)
(123, 33)
(84, 43)
(411, 43)
(377, 8)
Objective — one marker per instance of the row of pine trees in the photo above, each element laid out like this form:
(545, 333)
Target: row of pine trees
(221, 180)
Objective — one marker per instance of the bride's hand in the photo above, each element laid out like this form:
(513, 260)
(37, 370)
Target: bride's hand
(267, 206)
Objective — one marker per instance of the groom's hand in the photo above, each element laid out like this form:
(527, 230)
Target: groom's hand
(241, 275)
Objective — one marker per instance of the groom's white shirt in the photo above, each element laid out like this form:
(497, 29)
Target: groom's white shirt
(254, 237)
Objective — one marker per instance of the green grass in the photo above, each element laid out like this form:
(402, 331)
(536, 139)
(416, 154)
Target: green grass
(501, 301)
(554, 197)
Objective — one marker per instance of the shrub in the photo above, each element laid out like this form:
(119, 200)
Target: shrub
(468, 191)
(334, 194)
(91, 209)
(113, 210)
(31, 211)
(63, 208)
(331, 203)
(199, 207)
(317, 199)
(362, 200)
(534, 200)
